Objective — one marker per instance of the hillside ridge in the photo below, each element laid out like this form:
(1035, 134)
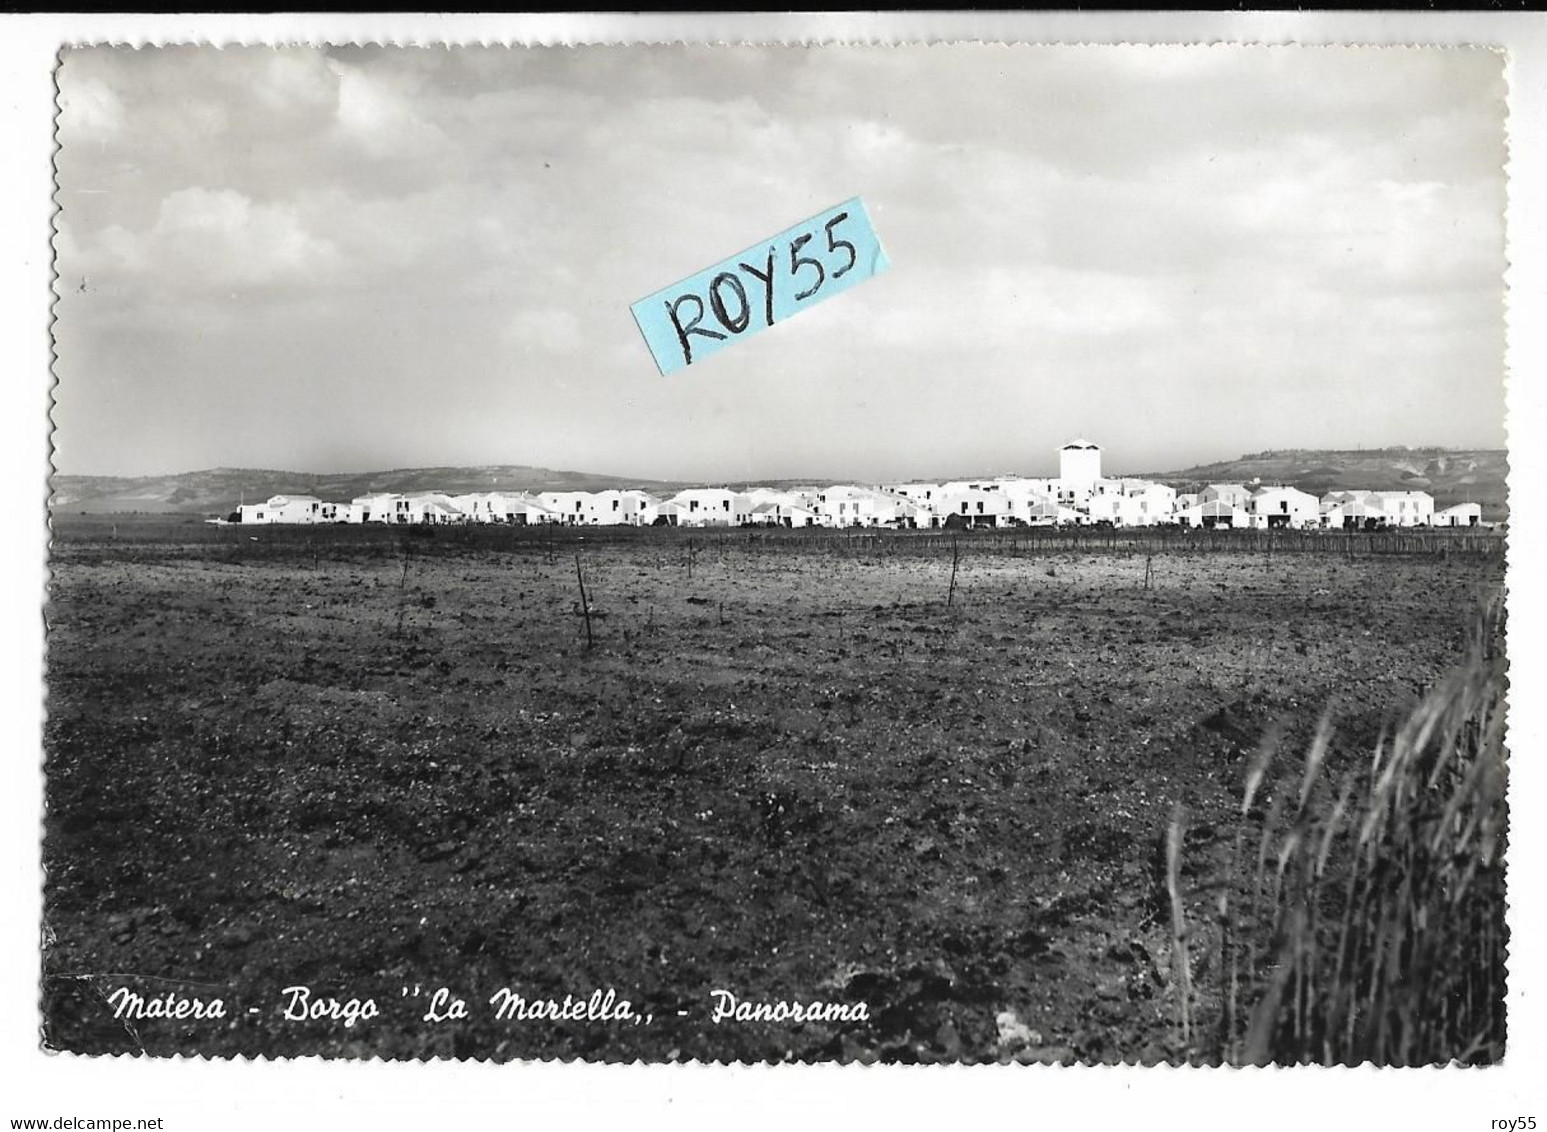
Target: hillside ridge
(1450, 475)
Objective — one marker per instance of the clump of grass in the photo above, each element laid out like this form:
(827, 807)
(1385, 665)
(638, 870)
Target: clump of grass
(1366, 923)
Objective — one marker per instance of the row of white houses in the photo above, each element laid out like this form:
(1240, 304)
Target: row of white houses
(997, 503)
(1079, 495)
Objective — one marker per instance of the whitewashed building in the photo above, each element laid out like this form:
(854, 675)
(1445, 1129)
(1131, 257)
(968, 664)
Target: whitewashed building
(1407, 508)
(1352, 510)
(900, 511)
(569, 506)
(1133, 508)
(843, 505)
(973, 504)
(377, 507)
(662, 512)
(1216, 514)
(498, 507)
(1034, 510)
(618, 508)
(925, 493)
(481, 506)
(1079, 466)
(1285, 507)
(849, 505)
(712, 507)
(772, 507)
(1027, 500)
(802, 497)
(527, 510)
(1048, 513)
(283, 509)
(1231, 493)
(1118, 509)
(774, 513)
(1156, 502)
(430, 507)
(1461, 515)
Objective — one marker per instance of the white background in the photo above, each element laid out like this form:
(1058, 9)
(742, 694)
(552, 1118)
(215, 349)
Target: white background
(241, 1095)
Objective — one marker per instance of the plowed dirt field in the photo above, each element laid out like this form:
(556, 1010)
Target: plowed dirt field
(363, 763)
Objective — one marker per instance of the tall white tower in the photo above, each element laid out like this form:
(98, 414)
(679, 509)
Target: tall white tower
(1079, 464)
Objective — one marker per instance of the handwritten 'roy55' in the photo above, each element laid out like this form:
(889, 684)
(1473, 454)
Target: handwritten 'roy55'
(764, 284)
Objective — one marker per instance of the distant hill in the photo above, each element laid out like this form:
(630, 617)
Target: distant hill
(219, 490)
(1450, 475)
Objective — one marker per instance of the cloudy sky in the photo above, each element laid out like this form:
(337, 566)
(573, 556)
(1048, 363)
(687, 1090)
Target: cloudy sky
(353, 259)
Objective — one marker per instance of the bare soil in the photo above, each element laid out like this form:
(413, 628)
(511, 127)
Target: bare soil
(365, 763)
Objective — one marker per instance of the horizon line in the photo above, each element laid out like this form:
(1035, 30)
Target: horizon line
(1393, 448)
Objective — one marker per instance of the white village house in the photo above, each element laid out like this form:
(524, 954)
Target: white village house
(925, 493)
(1157, 501)
(1285, 507)
(1407, 508)
(379, 507)
(283, 509)
(432, 507)
(849, 505)
(1033, 502)
(481, 506)
(772, 508)
(712, 507)
(1216, 514)
(619, 508)
(1461, 515)
(1231, 493)
(1120, 510)
(1352, 511)
(976, 504)
(569, 506)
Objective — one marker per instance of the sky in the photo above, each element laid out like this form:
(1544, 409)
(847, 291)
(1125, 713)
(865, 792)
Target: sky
(352, 259)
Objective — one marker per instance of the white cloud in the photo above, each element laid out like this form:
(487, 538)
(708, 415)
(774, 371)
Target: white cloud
(204, 238)
(1139, 226)
(548, 329)
(379, 118)
(89, 109)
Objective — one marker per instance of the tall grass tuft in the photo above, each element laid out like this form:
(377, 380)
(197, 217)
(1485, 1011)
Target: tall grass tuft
(1362, 917)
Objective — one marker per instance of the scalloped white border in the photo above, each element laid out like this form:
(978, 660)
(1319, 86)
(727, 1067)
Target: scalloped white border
(312, 1093)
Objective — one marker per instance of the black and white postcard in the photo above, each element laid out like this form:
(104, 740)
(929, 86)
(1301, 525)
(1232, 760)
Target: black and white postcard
(955, 553)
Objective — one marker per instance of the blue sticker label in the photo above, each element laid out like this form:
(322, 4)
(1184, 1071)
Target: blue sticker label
(770, 281)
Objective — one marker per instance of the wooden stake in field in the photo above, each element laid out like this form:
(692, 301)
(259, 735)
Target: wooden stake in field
(585, 605)
(950, 594)
(1181, 963)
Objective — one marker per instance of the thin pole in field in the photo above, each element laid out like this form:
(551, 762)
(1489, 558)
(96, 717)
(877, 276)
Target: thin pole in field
(950, 594)
(585, 605)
